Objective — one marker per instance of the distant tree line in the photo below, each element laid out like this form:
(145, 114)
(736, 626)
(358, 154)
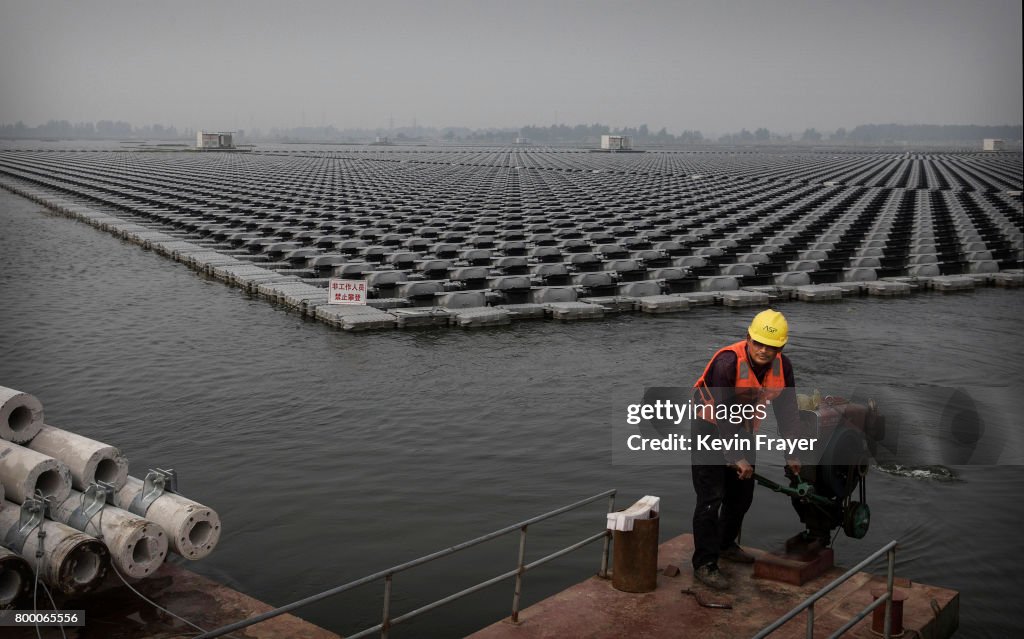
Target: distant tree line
(102, 130)
(880, 134)
(931, 132)
(583, 134)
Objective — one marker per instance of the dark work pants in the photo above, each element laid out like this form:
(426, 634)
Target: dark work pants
(722, 501)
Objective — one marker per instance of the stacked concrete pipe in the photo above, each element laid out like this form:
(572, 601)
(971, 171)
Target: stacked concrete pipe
(194, 529)
(137, 546)
(42, 460)
(26, 473)
(15, 572)
(21, 415)
(15, 578)
(88, 460)
(65, 558)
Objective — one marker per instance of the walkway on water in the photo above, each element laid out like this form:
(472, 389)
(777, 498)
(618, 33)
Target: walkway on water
(595, 609)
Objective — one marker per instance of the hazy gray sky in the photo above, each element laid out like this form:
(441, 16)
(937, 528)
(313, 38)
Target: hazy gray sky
(715, 65)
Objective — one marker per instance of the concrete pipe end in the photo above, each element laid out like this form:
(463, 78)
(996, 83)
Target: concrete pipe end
(107, 466)
(52, 479)
(21, 418)
(198, 535)
(84, 567)
(15, 578)
(144, 552)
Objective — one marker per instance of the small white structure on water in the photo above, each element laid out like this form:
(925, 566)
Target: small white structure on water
(616, 142)
(221, 140)
(993, 144)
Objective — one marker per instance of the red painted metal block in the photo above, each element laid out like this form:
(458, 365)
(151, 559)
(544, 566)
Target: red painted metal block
(794, 569)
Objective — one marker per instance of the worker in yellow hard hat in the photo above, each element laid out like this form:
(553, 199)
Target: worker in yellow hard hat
(731, 399)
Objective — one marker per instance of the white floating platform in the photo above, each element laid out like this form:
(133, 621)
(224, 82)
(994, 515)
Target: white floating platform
(1008, 280)
(916, 282)
(388, 303)
(982, 279)
(524, 311)
(740, 299)
(701, 298)
(950, 283)
(818, 293)
(851, 289)
(664, 304)
(355, 318)
(412, 317)
(252, 283)
(570, 311)
(279, 291)
(614, 303)
(774, 293)
(888, 289)
(176, 248)
(227, 271)
(367, 322)
(480, 317)
(719, 283)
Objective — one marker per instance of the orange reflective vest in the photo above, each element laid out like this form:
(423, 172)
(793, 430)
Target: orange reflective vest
(748, 389)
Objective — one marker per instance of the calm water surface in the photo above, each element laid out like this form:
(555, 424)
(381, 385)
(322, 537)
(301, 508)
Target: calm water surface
(330, 455)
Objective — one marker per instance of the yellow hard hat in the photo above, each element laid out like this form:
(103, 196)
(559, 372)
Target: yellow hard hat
(770, 328)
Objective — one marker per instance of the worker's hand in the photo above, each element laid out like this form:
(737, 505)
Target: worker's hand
(744, 470)
(794, 466)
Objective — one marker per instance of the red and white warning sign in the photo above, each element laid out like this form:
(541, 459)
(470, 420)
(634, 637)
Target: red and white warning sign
(346, 292)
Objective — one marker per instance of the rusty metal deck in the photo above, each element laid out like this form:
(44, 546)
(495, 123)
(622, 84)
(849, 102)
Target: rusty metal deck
(596, 610)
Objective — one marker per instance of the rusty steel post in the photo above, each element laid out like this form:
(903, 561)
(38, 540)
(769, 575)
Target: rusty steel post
(890, 577)
(385, 624)
(635, 560)
(520, 570)
(606, 552)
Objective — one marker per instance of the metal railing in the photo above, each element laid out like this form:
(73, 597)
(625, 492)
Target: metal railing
(808, 604)
(389, 573)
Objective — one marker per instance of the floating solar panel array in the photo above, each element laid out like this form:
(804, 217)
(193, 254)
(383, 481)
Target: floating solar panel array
(478, 237)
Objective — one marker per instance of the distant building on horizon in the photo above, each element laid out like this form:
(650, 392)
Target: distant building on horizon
(993, 144)
(616, 143)
(221, 140)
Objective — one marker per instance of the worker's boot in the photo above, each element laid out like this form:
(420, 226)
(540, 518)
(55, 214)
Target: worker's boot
(736, 554)
(711, 576)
